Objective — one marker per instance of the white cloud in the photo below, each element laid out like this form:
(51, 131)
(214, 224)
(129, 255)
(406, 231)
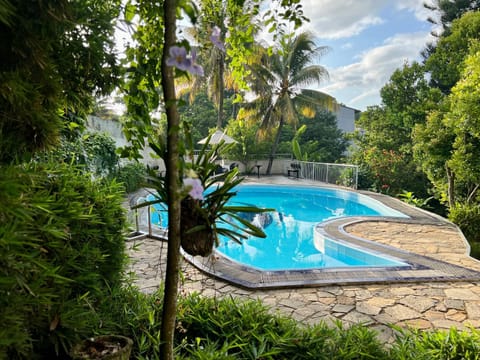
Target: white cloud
(358, 84)
(363, 73)
(416, 7)
(334, 19)
(420, 11)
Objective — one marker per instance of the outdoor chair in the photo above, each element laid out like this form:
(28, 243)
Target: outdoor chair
(294, 169)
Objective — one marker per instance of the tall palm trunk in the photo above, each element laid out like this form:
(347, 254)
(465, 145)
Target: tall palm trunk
(172, 165)
(274, 146)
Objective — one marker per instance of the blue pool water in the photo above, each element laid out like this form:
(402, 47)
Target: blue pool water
(291, 242)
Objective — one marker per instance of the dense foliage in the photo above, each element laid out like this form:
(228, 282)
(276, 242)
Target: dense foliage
(321, 141)
(131, 175)
(54, 59)
(384, 139)
(62, 248)
(61, 233)
(228, 328)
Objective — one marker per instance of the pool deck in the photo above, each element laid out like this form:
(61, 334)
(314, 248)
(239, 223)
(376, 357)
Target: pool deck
(440, 290)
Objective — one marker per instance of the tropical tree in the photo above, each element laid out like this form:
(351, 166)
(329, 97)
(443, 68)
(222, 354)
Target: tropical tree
(248, 149)
(279, 83)
(384, 141)
(453, 167)
(445, 134)
(445, 12)
(322, 140)
(432, 148)
(446, 62)
(448, 147)
(213, 18)
(449, 10)
(219, 55)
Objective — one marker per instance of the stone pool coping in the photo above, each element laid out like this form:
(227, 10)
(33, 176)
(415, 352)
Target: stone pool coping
(422, 268)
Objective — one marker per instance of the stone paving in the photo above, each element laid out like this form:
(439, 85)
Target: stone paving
(422, 305)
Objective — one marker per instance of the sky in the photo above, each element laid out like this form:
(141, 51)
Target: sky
(368, 40)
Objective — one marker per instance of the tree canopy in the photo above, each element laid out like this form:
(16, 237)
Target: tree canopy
(384, 139)
(446, 62)
(56, 56)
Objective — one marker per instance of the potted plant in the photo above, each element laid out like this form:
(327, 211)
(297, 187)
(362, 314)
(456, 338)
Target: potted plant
(105, 347)
(205, 211)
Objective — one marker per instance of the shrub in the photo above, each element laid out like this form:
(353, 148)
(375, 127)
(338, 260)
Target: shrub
(61, 248)
(131, 176)
(136, 315)
(209, 328)
(236, 329)
(94, 152)
(467, 217)
(437, 345)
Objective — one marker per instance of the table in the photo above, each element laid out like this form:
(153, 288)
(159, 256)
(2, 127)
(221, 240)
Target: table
(258, 170)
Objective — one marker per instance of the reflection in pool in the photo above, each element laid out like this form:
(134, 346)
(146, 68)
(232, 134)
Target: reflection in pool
(292, 242)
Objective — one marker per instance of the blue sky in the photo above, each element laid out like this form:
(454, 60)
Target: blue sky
(368, 40)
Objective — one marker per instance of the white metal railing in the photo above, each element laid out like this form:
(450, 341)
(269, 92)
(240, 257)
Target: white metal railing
(338, 174)
(151, 220)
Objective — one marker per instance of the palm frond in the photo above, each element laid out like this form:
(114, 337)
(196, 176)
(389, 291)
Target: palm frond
(313, 74)
(314, 98)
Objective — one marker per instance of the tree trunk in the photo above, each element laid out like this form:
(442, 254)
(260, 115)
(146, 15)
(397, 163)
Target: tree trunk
(172, 181)
(451, 186)
(472, 193)
(274, 147)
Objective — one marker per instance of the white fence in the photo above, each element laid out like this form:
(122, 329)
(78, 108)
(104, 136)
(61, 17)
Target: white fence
(337, 174)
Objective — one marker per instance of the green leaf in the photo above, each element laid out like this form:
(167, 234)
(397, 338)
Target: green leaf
(130, 11)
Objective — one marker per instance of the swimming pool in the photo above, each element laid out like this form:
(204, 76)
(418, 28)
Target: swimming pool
(292, 242)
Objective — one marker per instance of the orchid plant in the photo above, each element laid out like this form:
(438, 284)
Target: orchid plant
(206, 208)
(206, 212)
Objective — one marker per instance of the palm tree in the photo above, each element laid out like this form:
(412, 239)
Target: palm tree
(279, 83)
(213, 62)
(216, 15)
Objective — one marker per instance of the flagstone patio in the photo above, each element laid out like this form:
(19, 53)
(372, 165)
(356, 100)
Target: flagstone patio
(438, 302)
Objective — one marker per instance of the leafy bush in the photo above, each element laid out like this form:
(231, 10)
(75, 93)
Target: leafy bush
(209, 328)
(61, 248)
(136, 315)
(467, 217)
(437, 345)
(94, 152)
(236, 329)
(131, 176)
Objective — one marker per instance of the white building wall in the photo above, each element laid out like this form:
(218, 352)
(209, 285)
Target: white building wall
(346, 117)
(114, 129)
